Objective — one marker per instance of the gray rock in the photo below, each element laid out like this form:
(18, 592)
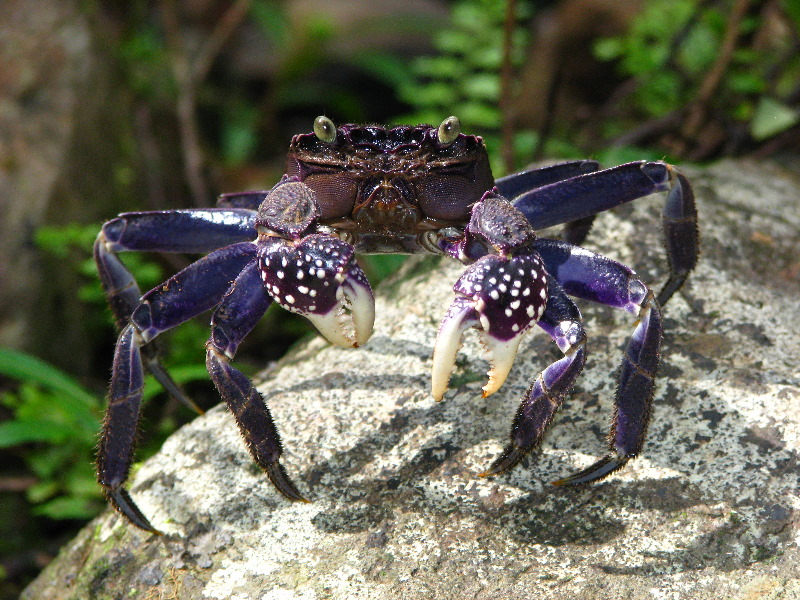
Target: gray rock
(708, 511)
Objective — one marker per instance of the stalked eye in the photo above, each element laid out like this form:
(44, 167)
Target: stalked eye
(449, 130)
(324, 129)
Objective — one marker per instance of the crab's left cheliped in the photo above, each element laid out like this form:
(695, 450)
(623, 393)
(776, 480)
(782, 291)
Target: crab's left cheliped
(312, 274)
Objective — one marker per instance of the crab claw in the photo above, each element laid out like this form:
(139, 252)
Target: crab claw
(500, 296)
(318, 277)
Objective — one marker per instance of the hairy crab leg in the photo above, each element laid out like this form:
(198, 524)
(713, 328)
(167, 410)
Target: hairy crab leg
(118, 438)
(237, 314)
(194, 230)
(192, 291)
(594, 277)
(679, 221)
(191, 231)
(562, 321)
(516, 184)
(581, 197)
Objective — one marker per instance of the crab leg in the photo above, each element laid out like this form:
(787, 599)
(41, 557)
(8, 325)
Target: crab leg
(237, 314)
(516, 184)
(192, 231)
(593, 277)
(197, 288)
(118, 438)
(579, 198)
(562, 321)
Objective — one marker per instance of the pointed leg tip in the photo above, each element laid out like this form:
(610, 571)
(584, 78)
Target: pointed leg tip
(170, 386)
(124, 504)
(280, 479)
(599, 470)
(507, 460)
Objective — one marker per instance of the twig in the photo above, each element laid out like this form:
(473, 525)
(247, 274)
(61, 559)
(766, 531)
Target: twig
(697, 110)
(506, 76)
(219, 37)
(549, 110)
(185, 107)
(648, 130)
(188, 76)
(17, 484)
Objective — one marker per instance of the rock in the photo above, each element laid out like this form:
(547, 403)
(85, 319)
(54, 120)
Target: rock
(708, 511)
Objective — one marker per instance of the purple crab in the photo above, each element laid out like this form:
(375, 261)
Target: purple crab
(409, 190)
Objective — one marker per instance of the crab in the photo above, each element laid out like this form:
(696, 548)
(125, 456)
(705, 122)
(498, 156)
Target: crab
(406, 189)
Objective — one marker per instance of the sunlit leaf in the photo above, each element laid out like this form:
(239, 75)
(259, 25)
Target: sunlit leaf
(771, 117)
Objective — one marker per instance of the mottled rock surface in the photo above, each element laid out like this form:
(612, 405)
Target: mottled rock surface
(709, 511)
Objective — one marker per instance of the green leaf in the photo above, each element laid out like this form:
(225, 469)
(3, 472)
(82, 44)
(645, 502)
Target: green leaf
(446, 68)
(609, 48)
(792, 8)
(22, 366)
(478, 114)
(746, 82)
(384, 67)
(41, 491)
(13, 433)
(771, 117)
(273, 20)
(482, 86)
(380, 266)
(65, 507)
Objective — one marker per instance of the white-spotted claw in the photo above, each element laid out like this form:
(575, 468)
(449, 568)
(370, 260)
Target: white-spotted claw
(320, 279)
(500, 296)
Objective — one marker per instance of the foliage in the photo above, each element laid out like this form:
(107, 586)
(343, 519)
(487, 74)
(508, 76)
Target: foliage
(54, 421)
(57, 421)
(464, 77)
(672, 49)
(184, 359)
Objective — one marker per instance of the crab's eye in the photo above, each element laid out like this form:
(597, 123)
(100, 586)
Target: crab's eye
(324, 129)
(448, 131)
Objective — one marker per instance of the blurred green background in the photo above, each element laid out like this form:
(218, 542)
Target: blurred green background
(111, 106)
